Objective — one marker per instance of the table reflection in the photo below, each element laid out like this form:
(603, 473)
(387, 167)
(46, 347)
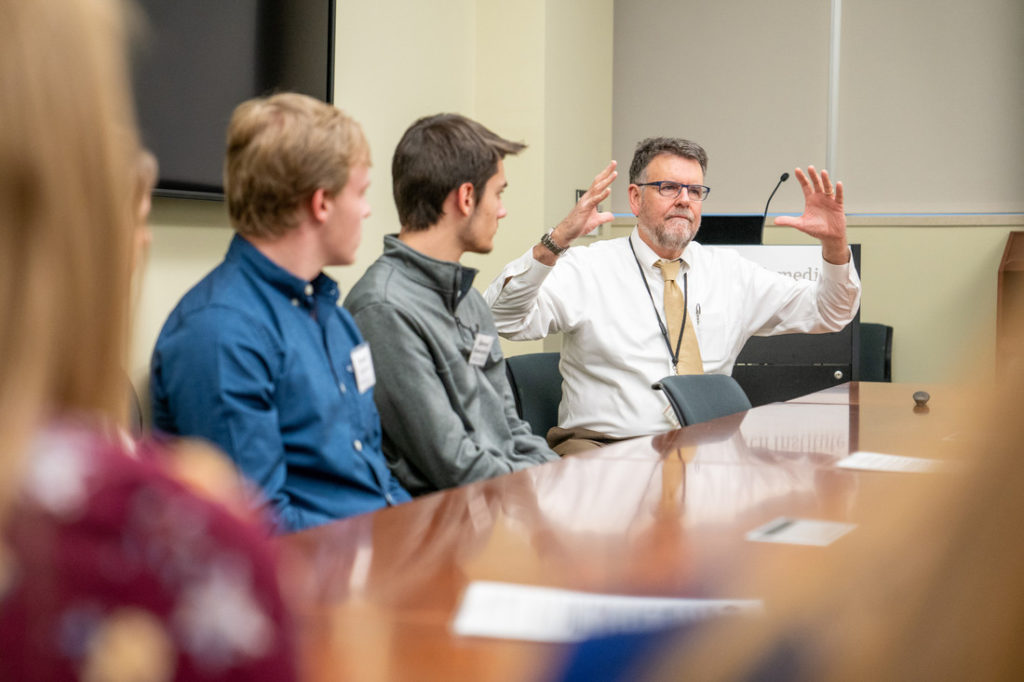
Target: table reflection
(664, 515)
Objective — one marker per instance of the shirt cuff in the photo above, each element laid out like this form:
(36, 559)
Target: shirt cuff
(531, 270)
(836, 273)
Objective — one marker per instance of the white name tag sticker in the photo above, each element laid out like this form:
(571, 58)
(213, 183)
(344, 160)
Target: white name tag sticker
(812, 532)
(877, 461)
(481, 349)
(362, 367)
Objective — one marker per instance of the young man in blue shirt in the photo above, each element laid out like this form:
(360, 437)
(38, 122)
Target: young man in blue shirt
(258, 357)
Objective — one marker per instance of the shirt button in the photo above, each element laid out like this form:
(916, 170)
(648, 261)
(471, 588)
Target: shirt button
(309, 290)
(295, 302)
(390, 500)
(342, 388)
(358, 445)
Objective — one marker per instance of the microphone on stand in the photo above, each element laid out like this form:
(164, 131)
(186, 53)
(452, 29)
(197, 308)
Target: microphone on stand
(764, 216)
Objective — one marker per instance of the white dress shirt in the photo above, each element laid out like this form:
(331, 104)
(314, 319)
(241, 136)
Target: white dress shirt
(613, 348)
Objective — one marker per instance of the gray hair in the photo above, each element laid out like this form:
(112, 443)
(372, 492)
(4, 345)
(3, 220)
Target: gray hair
(653, 146)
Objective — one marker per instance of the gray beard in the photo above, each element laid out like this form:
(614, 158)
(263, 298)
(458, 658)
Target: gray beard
(672, 242)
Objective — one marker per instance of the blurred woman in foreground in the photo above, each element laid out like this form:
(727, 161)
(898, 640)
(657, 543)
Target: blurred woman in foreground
(108, 569)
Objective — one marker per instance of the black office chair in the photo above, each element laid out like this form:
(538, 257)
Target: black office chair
(697, 398)
(875, 352)
(537, 386)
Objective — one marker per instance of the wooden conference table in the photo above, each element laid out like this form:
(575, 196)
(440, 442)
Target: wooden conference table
(656, 516)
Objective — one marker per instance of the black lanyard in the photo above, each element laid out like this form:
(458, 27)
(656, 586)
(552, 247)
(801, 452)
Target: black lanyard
(664, 331)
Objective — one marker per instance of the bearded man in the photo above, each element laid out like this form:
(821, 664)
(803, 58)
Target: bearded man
(636, 309)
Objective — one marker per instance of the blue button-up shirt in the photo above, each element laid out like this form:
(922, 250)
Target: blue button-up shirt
(259, 362)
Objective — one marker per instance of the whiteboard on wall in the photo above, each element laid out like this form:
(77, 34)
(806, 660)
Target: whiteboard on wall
(929, 107)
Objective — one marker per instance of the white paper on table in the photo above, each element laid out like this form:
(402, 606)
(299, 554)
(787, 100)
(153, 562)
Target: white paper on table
(791, 531)
(876, 461)
(546, 614)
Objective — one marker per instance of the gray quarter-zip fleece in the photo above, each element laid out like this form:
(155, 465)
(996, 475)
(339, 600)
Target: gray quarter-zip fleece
(446, 420)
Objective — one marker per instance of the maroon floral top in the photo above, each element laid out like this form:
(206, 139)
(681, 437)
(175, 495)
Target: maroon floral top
(111, 570)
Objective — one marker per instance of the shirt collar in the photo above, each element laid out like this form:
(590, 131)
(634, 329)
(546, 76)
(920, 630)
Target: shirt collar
(648, 257)
(296, 288)
(451, 280)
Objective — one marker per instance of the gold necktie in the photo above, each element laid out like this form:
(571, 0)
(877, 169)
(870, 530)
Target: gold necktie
(677, 450)
(689, 361)
(673, 482)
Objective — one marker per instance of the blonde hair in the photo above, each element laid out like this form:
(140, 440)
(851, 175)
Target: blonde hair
(931, 586)
(146, 171)
(280, 150)
(67, 144)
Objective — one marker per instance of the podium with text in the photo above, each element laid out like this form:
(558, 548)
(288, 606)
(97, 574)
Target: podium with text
(777, 368)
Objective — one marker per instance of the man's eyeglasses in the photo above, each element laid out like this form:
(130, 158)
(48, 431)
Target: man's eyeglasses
(670, 190)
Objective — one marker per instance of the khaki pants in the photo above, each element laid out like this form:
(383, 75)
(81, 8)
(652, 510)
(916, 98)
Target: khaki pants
(572, 441)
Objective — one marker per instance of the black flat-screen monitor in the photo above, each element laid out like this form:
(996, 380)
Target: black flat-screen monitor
(198, 59)
(738, 228)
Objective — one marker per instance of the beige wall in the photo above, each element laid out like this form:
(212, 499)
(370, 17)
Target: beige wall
(540, 71)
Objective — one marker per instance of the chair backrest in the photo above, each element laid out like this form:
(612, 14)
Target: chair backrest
(537, 386)
(699, 397)
(875, 352)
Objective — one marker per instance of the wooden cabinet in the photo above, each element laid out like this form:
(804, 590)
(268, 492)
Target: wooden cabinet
(1010, 307)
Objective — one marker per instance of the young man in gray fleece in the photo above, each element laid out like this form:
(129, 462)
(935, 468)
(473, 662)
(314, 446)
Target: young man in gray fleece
(446, 407)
